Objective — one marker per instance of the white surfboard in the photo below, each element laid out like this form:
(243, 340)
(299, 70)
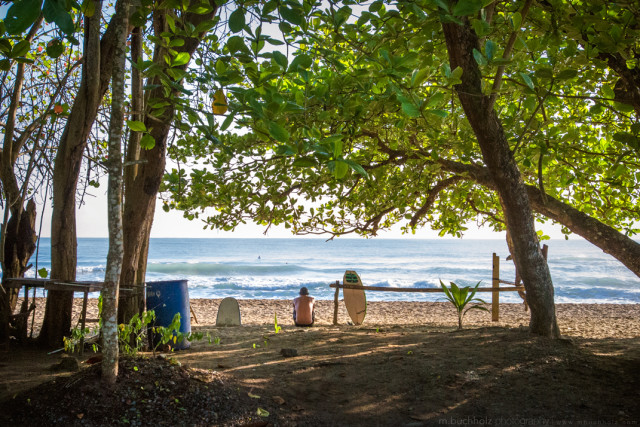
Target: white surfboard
(354, 299)
(228, 313)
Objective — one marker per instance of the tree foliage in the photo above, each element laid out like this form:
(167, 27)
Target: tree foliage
(355, 125)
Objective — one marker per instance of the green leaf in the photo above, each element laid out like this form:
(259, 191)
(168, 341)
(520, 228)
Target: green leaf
(235, 44)
(567, 74)
(375, 6)
(304, 162)
(544, 73)
(292, 15)
(136, 126)
(479, 57)
(356, 167)
(227, 122)
(21, 15)
(435, 99)
(5, 46)
(516, 20)
(440, 113)
(341, 169)
(628, 139)
(43, 273)
(176, 42)
(5, 65)
(278, 133)
(466, 7)
(442, 4)
(180, 59)
(20, 49)
(527, 80)
(337, 148)
(285, 150)
(55, 48)
(147, 142)
(419, 76)
(280, 59)
(88, 8)
(410, 109)
(236, 21)
(490, 49)
(303, 61)
(455, 75)
(55, 11)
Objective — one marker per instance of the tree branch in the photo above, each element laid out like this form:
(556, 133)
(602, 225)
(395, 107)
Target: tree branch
(431, 198)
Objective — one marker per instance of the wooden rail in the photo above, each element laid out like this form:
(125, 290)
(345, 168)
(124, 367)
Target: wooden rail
(60, 285)
(495, 289)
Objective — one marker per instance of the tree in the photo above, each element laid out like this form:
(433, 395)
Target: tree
(110, 291)
(96, 73)
(34, 72)
(364, 125)
(462, 41)
(164, 97)
(18, 238)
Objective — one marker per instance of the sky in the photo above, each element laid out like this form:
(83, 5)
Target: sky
(92, 222)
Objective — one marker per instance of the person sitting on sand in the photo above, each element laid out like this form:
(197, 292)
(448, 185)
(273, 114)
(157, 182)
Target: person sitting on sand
(303, 310)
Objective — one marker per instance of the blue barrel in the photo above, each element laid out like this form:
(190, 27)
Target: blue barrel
(166, 298)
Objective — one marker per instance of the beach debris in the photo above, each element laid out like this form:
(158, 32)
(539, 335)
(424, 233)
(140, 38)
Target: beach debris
(279, 400)
(289, 352)
(93, 360)
(262, 412)
(253, 396)
(471, 376)
(68, 364)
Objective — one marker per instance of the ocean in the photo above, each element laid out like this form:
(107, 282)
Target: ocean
(271, 268)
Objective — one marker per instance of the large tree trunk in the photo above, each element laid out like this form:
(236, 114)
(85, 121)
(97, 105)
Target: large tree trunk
(141, 192)
(132, 302)
(461, 40)
(96, 75)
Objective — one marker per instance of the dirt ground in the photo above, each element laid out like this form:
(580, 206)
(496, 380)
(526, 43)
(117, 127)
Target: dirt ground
(374, 374)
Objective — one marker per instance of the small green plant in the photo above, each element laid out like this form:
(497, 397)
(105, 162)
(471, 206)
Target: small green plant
(131, 335)
(72, 342)
(461, 298)
(275, 323)
(171, 335)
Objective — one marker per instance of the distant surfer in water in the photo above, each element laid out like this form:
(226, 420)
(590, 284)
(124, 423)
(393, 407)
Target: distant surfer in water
(303, 308)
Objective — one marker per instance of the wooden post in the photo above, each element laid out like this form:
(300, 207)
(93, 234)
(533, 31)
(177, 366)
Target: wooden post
(83, 320)
(495, 295)
(545, 251)
(335, 304)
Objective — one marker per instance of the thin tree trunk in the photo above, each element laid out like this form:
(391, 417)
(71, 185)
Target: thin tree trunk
(461, 40)
(116, 250)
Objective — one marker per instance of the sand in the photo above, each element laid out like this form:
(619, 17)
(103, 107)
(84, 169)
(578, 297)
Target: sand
(580, 320)
(406, 365)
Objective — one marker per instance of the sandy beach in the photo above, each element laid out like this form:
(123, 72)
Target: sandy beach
(575, 320)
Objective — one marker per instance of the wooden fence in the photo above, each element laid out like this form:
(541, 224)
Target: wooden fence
(495, 289)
